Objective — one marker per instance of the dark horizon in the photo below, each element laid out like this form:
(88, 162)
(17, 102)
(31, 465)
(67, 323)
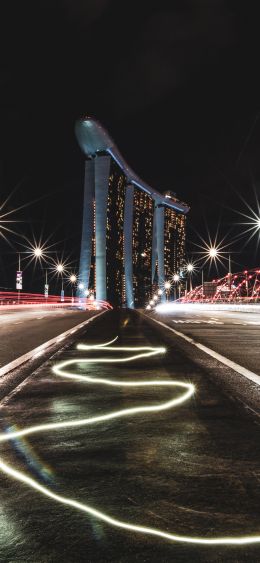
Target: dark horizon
(177, 88)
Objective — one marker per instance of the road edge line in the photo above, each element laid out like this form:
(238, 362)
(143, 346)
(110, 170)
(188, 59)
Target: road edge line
(39, 350)
(229, 363)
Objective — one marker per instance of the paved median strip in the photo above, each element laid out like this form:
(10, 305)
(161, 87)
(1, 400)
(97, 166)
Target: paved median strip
(233, 365)
(36, 352)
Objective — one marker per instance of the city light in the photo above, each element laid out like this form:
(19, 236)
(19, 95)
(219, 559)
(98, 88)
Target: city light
(176, 277)
(81, 286)
(73, 278)
(5, 215)
(151, 302)
(213, 252)
(61, 370)
(38, 252)
(59, 268)
(167, 285)
(160, 292)
(155, 297)
(251, 219)
(190, 267)
(148, 307)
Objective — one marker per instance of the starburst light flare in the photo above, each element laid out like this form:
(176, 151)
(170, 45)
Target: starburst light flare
(212, 252)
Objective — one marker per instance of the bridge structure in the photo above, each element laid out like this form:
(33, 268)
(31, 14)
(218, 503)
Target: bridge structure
(241, 287)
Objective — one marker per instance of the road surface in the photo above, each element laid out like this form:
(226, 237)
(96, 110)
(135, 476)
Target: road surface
(235, 334)
(191, 470)
(23, 330)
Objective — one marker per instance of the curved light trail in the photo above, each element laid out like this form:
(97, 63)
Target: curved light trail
(189, 389)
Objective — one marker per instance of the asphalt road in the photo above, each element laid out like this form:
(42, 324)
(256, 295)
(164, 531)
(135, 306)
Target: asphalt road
(235, 335)
(24, 330)
(191, 470)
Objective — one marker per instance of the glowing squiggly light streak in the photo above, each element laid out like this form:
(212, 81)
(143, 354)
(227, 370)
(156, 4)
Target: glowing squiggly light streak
(59, 370)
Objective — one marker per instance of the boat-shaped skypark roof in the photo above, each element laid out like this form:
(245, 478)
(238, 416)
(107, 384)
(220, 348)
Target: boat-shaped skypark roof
(94, 139)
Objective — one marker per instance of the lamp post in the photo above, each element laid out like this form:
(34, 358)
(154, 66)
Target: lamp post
(229, 272)
(167, 287)
(19, 279)
(60, 270)
(73, 279)
(46, 286)
(190, 268)
(176, 279)
(38, 253)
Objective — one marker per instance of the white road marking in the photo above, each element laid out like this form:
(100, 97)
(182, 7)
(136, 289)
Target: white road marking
(88, 509)
(33, 353)
(192, 322)
(233, 365)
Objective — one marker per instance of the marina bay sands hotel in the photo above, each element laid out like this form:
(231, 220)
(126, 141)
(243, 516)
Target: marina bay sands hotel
(133, 237)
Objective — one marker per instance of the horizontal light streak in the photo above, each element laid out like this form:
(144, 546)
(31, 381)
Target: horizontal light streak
(166, 308)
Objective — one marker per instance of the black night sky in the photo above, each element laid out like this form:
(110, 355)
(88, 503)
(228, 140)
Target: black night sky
(177, 86)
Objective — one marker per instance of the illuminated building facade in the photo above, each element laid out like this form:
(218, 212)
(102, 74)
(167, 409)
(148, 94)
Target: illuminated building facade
(142, 240)
(115, 236)
(131, 234)
(174, 241)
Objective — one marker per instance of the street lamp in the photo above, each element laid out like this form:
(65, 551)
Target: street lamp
(160, 292)
(176, 279)
(73, 279)
(59, 267)
(213, 252)
(38, 252)
(190, 269)
(167, 287)
(155, 297)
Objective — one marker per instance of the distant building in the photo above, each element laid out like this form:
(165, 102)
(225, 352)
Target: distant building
(143, 216)
(132, 236)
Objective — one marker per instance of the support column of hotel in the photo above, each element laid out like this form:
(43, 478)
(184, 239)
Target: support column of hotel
(128, 245)
(159, 218)
(87, 225)
(102, 169)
